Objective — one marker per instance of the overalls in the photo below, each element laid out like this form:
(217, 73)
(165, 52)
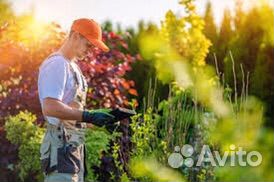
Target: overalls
(62, 150)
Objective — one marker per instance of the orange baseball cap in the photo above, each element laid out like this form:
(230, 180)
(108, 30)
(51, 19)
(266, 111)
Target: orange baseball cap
(91, 31)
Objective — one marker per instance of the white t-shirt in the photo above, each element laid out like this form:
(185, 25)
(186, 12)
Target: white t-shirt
(56, 80)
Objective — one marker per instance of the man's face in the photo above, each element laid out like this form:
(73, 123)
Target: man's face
(82, 47)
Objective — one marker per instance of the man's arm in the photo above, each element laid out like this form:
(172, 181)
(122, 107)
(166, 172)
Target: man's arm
(56, 108)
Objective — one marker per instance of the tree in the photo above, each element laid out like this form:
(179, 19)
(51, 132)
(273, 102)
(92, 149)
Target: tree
(224, 38)
(210, 31)
(251, 44)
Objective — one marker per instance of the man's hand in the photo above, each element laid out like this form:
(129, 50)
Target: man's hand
(100, 117)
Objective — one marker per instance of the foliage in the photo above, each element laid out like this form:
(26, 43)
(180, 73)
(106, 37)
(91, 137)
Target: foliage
(243, 127)
(150, 170)
(251, 43)
(22, 131)
(173, 122)
(235, 121)
(177, 116)
(18, 84)
(179, 53)
(144, 136)
(210, 29)
(6, 12)
(263, 172)
(105, 74)
(143, 71)
(97, 142)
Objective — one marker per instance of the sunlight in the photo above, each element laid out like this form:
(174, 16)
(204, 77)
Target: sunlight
(32, 31)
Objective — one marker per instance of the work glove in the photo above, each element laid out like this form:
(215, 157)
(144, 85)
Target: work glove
(98, 117)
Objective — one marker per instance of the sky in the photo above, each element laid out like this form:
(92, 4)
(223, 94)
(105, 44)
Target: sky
(125, 12)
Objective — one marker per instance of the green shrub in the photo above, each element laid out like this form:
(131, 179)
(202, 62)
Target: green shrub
(97, 141)
(145, 136)
(22, 131)
(149, 170)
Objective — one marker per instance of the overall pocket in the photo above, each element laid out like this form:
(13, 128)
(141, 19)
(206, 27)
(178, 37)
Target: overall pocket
(69, 159)
(45, 156)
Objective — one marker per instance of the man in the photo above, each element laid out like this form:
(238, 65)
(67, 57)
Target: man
(62, 92)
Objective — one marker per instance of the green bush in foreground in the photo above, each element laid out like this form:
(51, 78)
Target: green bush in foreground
(22, 131)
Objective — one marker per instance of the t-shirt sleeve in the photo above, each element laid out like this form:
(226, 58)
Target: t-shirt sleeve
(52, 79)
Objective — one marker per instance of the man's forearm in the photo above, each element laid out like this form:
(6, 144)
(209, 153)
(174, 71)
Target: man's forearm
(58, 109)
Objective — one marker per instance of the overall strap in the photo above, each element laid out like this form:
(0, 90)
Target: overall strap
(77, 79)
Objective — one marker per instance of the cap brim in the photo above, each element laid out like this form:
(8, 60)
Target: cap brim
(100, 44)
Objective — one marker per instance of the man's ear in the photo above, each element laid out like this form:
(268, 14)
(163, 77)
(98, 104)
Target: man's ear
(73, 35)
(79, 36)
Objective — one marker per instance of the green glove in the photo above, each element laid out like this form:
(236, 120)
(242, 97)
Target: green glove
(98, 117)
